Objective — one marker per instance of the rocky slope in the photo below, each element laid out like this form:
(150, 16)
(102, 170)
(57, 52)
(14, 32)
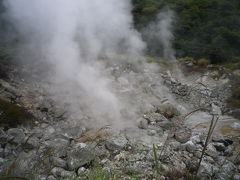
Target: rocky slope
(41, 140)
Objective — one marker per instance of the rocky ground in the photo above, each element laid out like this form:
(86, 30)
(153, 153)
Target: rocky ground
(40, 140)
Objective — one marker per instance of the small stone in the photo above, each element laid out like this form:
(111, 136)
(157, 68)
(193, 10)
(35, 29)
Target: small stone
(190, 147)
(228, 167)
(142, 123)
(107, 171)
(152, 132)
(168, 110)
(219, 147)
(236, 176)
(60, 172)
(82, 171)
(51, 178)
(16, 135)
(155, 117)
(116, 143)
(183, 135)
(32, 143)
(223, 176)
(58, 162)
(3, 137)
(211, 151)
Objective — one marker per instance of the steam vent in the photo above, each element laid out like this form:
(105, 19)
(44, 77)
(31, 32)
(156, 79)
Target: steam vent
(119, 90)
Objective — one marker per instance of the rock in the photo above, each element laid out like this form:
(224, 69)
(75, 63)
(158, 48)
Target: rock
(223, 176)
(214, 74)
(197, 139)
(58, 162)
(219, 146)
(79, 157)
(166, 125)
(190, 147)
(116, 143)
(154, 117)
(216, 110)
(182, 135)
(237, 72)
(16, 135)
(107, 171)
(51, 178)
(32, 142)
(61, 173)
(3, 137)
(211, 151)
(82, 171)
(168, 110)
(228, 167)
(151, 132)
(142, 123)
(236, 176)
(206, 170)
(57, 142)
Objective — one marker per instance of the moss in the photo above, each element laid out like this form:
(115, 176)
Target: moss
(150, 59)
(12, 115)
(187, 59)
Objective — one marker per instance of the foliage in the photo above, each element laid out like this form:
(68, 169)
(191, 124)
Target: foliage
(203, 62)
(202, 28)
(187, 59)
(150, 59)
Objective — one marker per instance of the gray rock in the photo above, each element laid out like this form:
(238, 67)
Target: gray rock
(182, 135)
(61, 173)
(142, 123)
(211, 151)
(107, 171)
(154, 117)
(16, 135)
(31, 143)
(51, 178)
(168, 110)
(223, 176)
(219, 146)
(190, 147)
(151, 132)
(116, 143)
(236, 176)
(82, 171)
(79, 157)
(3, 137)
(228, 167)
(57, 142)
(58, 162)
(206, 170)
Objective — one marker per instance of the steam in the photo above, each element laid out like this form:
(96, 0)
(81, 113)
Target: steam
(74, 37)
(159, 34)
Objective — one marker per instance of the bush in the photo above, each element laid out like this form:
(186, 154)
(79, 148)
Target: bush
(187, 59)
(203, 62)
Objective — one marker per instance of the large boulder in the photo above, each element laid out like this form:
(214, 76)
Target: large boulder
(116, 143)
(79, 157)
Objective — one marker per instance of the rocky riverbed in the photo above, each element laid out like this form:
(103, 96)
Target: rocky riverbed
(41, 139)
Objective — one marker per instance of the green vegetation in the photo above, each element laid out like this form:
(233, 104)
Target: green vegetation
(13, 115)
(202, 28)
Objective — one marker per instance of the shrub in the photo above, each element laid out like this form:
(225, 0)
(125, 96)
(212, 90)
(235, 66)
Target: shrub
(187, 59)
(203, 62)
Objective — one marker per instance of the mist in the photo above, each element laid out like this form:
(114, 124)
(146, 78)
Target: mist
(159, 34)
(76, 38)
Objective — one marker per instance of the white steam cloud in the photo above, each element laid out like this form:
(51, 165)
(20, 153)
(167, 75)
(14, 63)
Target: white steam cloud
(74, 37)
(159, 34)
